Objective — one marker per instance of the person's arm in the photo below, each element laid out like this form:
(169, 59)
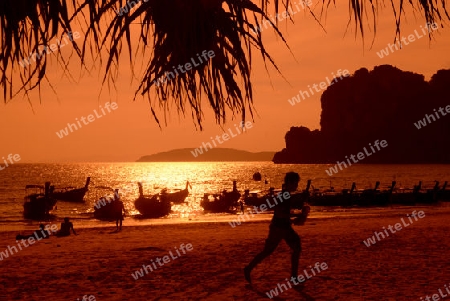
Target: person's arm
(73, 230)
(285, 215)
(301, 218)
(280, 215)
(296, 214)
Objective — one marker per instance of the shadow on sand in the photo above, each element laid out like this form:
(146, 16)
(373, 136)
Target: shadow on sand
(148, 249)
(298, 288)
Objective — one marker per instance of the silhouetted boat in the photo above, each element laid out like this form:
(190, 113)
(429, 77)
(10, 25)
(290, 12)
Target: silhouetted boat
(330, 197)
(175, 197)
(38, 205)
(375, 196)
(152, 206)
(411, 196)
(297, 199)
(427, 196)
(104, 208)
(404, 196)
(255, 198)
(71, 194)
(351, 197)
(221, 202)
(443, 194)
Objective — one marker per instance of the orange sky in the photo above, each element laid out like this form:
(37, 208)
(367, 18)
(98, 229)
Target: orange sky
(129, 132)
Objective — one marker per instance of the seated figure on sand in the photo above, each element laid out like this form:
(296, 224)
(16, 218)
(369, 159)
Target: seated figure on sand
(66, 226)
(38, 234)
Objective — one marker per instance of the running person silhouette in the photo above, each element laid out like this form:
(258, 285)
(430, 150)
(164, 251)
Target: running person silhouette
(280, 228)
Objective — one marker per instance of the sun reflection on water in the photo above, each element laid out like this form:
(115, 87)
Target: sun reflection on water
(205, 177)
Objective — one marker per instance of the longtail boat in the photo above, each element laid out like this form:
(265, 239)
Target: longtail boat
(375, 196)
(443, 194)
(105, 209)
(71, 194)
(255, 198)
(221, 202)
(152, 206)
(417, 194)
(38, 205)
(330, 197)
(177, 197)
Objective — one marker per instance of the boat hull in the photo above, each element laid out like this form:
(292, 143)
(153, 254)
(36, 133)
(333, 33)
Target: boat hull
(224, 202)
(38, 206)
(443, 195)
(76, 195)
(174, 197)
(106, 212)
(152, 207)
(255, 201)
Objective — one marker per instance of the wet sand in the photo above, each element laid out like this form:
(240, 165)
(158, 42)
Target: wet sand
(407, 265)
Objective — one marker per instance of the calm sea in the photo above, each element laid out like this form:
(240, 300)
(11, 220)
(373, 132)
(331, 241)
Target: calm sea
(204, 177)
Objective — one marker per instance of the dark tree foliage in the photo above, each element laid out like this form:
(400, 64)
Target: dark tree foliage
(173, 32)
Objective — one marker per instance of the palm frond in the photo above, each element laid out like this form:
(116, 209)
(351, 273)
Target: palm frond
(181, 32)
(27, 27)
(174, 32)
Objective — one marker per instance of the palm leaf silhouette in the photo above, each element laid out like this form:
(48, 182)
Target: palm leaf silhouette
(27, 27)
(174, 32)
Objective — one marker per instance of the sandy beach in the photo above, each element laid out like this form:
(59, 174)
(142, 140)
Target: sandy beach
(407, 265)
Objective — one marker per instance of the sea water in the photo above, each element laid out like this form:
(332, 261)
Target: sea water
(205, 177)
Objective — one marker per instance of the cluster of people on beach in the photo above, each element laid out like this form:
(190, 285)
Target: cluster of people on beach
(46, 232)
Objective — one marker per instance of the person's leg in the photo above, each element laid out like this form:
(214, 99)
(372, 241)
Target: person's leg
(275, 236)
(294, 242)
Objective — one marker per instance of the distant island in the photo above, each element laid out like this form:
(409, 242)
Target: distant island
(396, 109)
(214, 155)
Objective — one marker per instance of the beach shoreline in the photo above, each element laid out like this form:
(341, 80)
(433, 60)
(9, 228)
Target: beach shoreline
(317, 213)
